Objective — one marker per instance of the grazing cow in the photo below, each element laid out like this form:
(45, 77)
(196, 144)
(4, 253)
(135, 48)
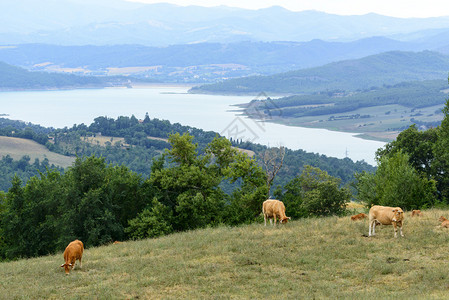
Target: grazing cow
(359, 216)
(444, 222)
(272, 209)
(73, 252)
(116, 242)
(385, 215)
(416, 212)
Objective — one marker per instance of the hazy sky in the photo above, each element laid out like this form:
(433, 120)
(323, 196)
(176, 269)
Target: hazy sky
(395, 8)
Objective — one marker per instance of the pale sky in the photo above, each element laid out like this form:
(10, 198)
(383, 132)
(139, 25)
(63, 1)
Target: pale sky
(394, 8)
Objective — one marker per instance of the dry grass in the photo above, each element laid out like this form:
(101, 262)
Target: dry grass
(17, 148)
(328, 258)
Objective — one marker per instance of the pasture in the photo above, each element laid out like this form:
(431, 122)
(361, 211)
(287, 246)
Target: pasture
(17, 148)
(322, 258)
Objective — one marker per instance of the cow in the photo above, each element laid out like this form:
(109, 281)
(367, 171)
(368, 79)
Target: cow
(274, 208)
(416, 212)
(359, 216)
(444, 222)
(385, 215)
(73, 252)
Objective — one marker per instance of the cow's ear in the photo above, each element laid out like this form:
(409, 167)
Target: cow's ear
(62, 266)
(289, 218)
(393, 210)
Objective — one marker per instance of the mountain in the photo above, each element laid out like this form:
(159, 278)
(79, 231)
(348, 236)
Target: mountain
(376, 70)
(202, 62)
(81, 22)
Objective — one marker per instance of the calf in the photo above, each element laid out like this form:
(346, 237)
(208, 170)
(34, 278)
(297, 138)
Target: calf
(73, 252)
(385, 215)
(272, 209)
(358, 216)
(444, 222)
(416, 212)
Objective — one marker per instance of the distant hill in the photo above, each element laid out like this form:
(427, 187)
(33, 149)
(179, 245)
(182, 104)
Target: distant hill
(376, 70)
(15, 78)
(202, 62)
(100, 22)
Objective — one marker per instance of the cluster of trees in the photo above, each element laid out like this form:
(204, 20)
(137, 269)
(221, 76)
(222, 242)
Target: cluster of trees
(100, 203)
(22, 168)
(413, 170)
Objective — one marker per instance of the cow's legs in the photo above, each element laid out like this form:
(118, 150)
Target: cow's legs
(372, 228)
(395, 230)
(265, 219)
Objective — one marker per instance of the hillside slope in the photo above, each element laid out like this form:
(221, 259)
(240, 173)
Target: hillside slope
(17, 148)
(375, 70)
(327, 258)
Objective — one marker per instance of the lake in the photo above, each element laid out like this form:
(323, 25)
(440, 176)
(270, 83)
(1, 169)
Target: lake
(64, 108)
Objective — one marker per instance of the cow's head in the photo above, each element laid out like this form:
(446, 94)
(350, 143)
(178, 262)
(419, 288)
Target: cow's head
(398, 215)
(67, 268)
(442, 219)
(284, 220)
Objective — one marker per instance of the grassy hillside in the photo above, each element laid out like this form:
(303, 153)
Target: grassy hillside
(17, 148)
(350, 75)
(313, 258)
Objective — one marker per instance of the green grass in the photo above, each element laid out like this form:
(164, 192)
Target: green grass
(326, 258)
(17, 148)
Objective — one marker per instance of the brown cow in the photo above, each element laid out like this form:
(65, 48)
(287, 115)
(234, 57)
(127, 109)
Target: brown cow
(444, 222)
(386, 216)
(272, 209)
(416, 212)
(73, 252)
(359, 216)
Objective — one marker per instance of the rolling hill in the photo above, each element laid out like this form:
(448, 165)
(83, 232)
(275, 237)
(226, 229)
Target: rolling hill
(16, 78)
(376, 70)
(322, 258)
(16, 148)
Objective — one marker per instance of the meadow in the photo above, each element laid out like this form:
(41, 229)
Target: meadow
(316, 258)
(17, 148)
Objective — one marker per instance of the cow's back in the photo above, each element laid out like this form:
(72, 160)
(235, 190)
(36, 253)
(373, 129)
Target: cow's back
(74, 249)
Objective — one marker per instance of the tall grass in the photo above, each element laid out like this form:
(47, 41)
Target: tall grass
(311, 258)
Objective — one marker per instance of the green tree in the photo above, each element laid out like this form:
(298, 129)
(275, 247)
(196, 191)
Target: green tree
(151, 222)
(440, 166)
(322, 195)
(396, 183)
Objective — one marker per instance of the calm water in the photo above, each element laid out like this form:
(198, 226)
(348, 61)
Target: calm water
(65, 108)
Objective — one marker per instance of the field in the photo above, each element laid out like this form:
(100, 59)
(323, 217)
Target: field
(325, 258)
(384, 124)
(17, 148)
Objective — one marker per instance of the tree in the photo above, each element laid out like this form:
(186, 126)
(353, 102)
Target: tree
(396, 183)
(322, 195)
(272, 160)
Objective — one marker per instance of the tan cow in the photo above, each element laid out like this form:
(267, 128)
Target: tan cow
(385, 215)
(272, 209)
(73, 252)
(416, 212)
(359, 216)
(444, 222)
